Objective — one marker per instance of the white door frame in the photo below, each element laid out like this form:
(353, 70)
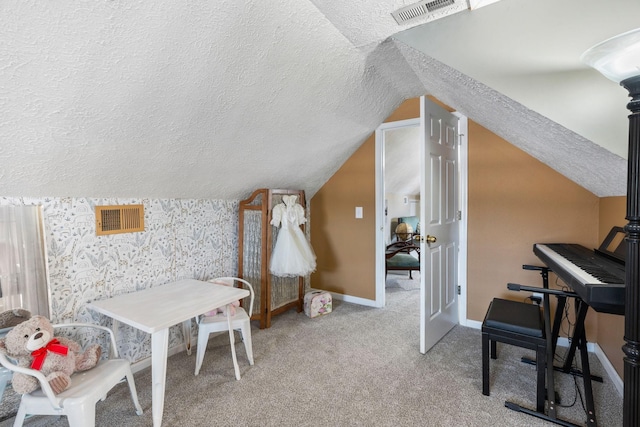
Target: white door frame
(463, 179)
(380, 219)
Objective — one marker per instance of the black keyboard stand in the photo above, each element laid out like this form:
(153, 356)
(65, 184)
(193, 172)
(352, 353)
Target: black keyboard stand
(578, 342)
(567, 367)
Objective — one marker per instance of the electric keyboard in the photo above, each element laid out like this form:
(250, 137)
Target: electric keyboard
(597, 279)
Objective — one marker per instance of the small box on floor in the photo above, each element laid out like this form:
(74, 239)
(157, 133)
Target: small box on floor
(317, 303)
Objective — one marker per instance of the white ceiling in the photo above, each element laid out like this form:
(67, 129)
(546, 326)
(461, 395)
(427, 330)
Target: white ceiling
(214, 99)
(402, 161)
(530, 51)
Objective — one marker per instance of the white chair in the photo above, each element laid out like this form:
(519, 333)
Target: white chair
(5, 374)
(78, 402)
(219, 323)
(5, 378)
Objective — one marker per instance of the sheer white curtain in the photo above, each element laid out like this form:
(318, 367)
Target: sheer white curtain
(23, 262)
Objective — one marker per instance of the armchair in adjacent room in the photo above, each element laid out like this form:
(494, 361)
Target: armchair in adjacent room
(399, 256)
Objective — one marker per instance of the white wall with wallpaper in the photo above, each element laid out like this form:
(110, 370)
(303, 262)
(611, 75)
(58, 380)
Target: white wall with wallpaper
(182, 239)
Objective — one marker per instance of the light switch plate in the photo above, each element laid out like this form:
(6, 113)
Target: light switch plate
(358, 212)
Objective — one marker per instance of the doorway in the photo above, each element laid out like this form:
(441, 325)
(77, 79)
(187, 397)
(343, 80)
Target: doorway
(384, 215)
(401, 181)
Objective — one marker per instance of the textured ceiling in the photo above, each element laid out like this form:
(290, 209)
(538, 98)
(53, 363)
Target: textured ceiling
(530, 51)
(402, 161)
(588, 164)
(214, 99)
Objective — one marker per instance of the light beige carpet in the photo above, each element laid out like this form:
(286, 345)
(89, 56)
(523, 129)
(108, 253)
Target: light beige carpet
(357, 366)
(400, 279)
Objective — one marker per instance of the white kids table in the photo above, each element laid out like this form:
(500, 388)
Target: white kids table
(156, 309)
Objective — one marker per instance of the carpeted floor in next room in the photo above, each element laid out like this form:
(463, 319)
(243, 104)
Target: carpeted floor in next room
(358, 366)
(397, 279)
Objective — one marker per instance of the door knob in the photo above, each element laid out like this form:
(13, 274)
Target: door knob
(431, 239)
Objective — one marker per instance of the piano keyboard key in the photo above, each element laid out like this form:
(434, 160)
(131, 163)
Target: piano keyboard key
(586, 261)
(571, 267)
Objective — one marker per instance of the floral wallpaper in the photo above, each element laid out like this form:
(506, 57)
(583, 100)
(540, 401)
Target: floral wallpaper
(182, 239)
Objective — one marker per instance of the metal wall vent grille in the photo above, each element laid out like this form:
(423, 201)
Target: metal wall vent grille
(119, 219)
(419, 9)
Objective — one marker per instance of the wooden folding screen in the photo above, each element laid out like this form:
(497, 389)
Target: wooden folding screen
(257, 236)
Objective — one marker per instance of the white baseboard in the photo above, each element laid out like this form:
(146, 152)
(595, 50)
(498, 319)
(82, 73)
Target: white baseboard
(471, 323)
(354, 300)
(611, 371)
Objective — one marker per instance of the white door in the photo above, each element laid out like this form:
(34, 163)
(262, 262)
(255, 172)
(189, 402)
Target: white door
(438, 223)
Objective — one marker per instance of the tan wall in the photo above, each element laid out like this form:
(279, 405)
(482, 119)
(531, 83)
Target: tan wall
(514, 202)
(611, 327)
(345, 246)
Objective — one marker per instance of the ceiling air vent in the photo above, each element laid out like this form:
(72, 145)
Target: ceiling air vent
(419, 9)
(119, 219)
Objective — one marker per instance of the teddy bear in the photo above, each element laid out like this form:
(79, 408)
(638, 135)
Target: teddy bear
(33, 345)
(223, 310)
(11, 318)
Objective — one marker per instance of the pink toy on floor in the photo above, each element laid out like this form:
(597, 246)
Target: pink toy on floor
(223, 310)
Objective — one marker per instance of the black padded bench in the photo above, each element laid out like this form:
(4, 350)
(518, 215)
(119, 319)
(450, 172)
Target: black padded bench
(519, 324)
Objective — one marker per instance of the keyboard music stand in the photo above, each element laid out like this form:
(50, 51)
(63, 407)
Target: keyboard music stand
(613, 246)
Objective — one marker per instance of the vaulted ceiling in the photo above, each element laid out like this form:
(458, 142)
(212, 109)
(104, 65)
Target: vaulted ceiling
(214, 99)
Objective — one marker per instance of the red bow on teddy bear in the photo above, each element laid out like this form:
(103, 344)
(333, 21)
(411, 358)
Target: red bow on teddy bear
(40, 354)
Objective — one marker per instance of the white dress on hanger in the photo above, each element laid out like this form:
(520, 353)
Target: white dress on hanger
(292, 254)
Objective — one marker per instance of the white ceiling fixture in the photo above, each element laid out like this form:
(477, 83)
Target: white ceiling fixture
(432, 9)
